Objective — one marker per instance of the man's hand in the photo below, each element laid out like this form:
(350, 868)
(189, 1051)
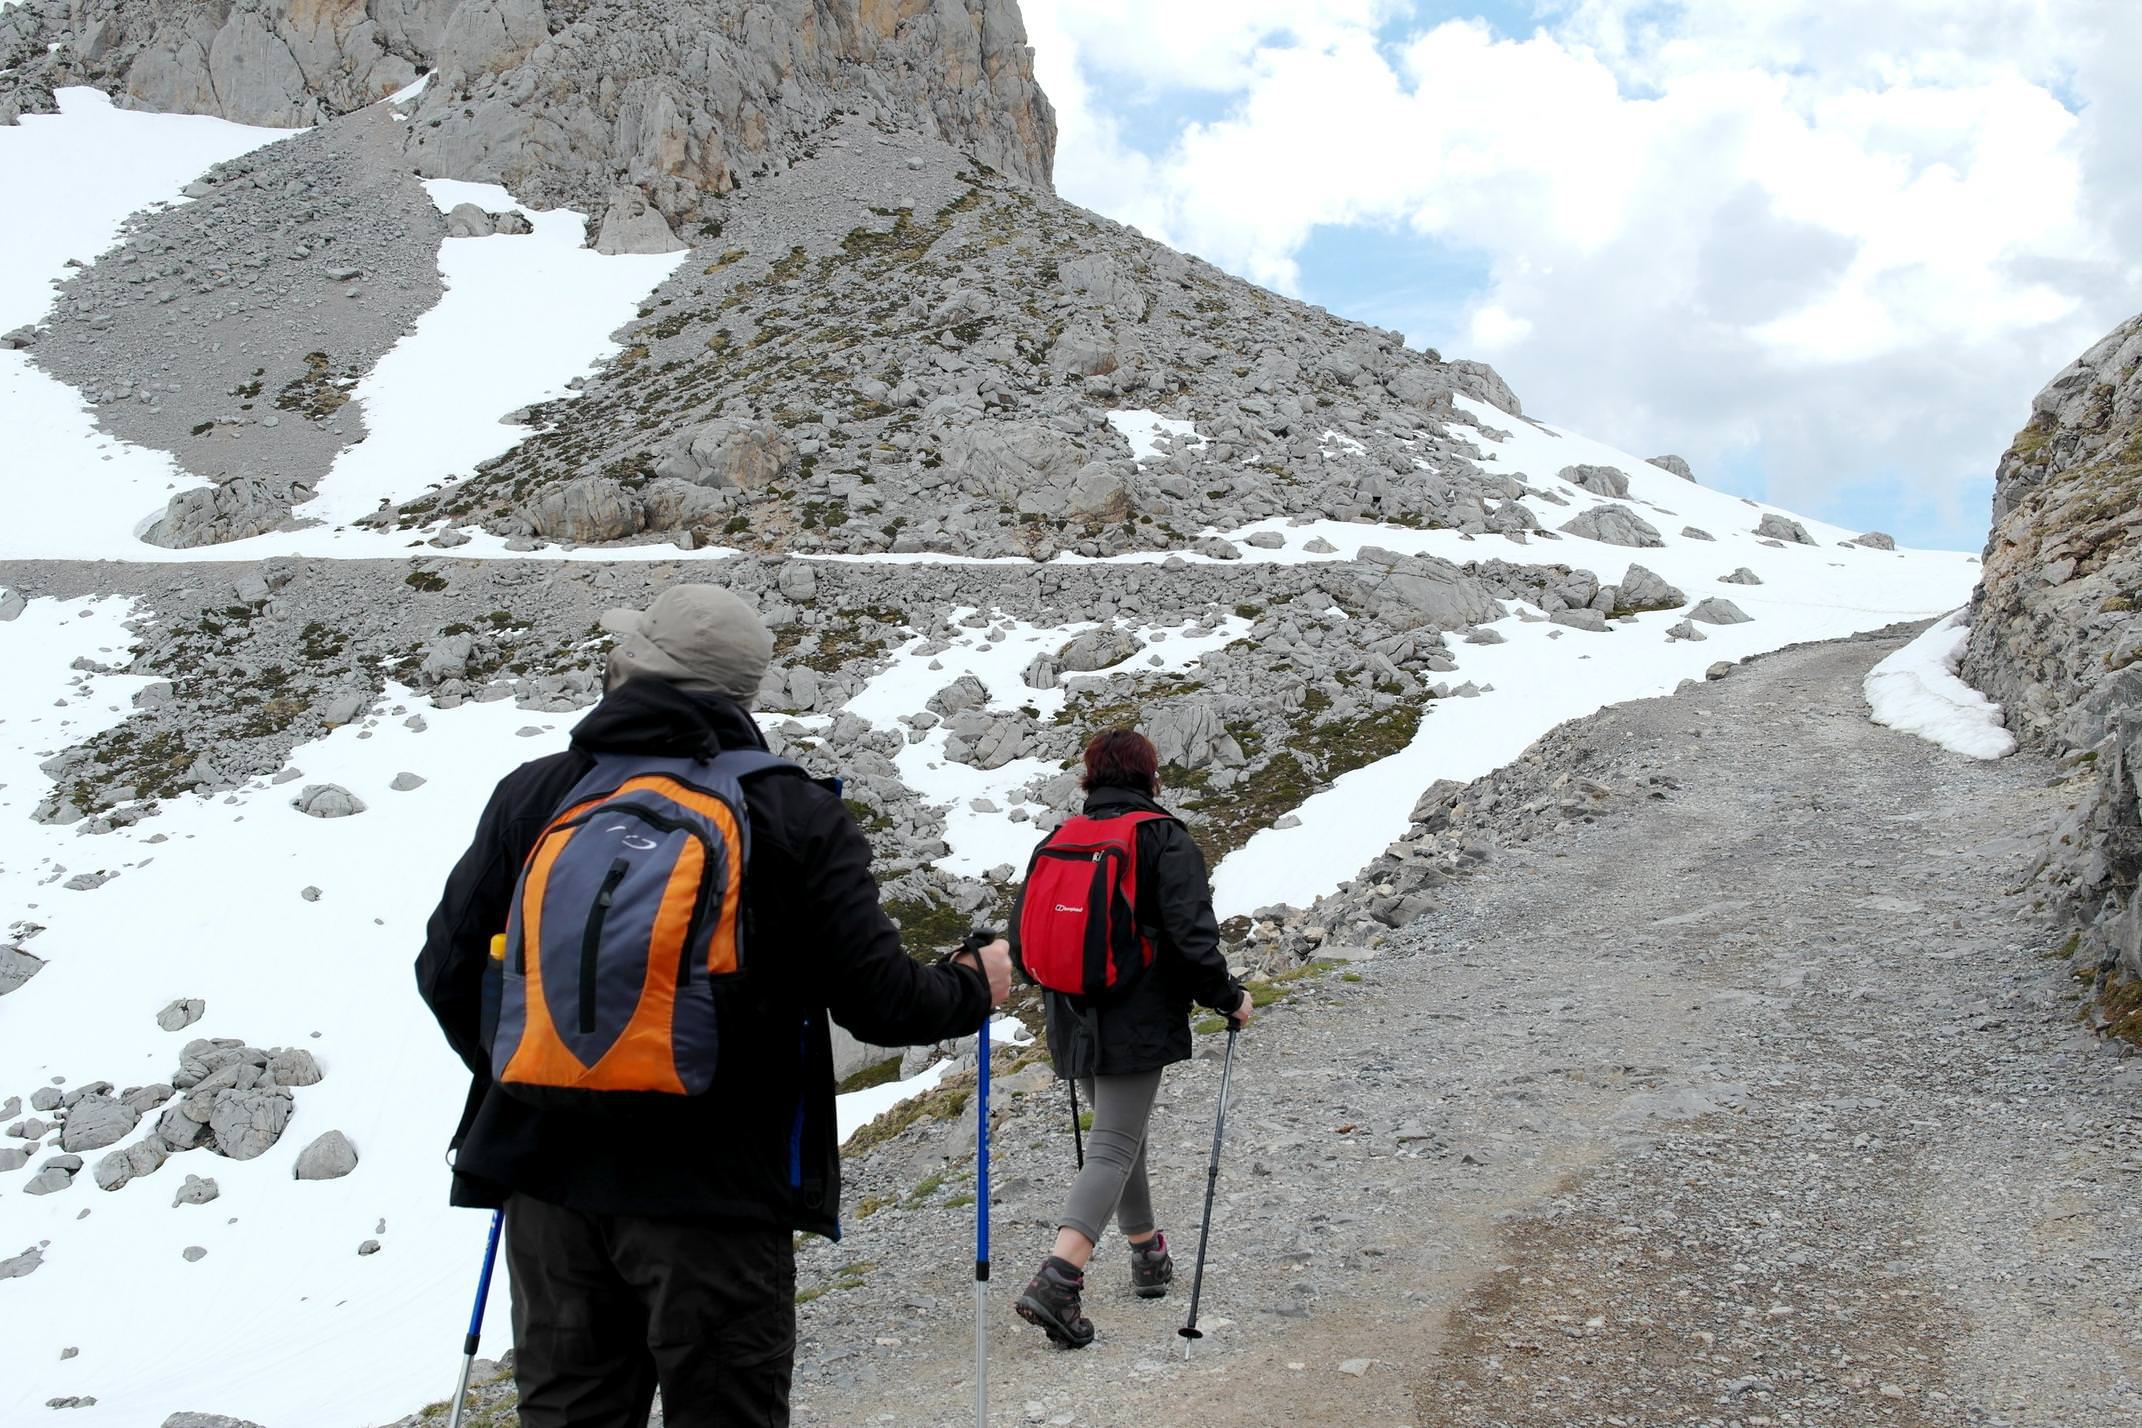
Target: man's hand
(1244, 1010)
(996, 966)
(993, 961)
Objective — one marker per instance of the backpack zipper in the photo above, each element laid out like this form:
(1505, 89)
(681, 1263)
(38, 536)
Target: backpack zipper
(591, 942)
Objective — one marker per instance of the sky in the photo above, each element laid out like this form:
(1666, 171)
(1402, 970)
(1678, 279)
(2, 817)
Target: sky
(1826, 252)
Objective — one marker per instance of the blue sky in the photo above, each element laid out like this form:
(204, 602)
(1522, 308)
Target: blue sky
(1781, 239)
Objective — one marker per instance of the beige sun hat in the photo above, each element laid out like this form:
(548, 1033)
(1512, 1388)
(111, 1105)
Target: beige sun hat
(702, 637)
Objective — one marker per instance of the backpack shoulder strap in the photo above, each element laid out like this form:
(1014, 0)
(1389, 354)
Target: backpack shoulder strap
(741, 764)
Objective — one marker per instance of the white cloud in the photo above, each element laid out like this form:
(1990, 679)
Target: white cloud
(1856, 238)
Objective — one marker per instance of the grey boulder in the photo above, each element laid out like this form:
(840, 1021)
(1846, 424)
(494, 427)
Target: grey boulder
(47, 1180)
(726, 452)
(1613, 524)
(1719, 611)
(293, 1066)
(1599, 480)
(1876, 540)
(1742, 576)
(1674, 464)
(1776, 527)
(183, 1012)
(1590, 620)
(1643, 589)
(469, 221)
(95, 1122)
(592, 508)
(246, 1123)
(198, 1190)
(141, 1158)
(327, 800)
(631, 225)
(328, 1158)
(16, 968)
(19, 1265)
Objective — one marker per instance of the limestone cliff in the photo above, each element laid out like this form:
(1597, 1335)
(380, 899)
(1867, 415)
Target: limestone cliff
(2055, 629)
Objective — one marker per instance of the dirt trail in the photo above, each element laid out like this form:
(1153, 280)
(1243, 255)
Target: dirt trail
(1755, 1106)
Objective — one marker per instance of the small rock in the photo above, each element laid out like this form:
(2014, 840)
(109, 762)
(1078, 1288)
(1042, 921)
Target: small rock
(192, 1253)
(197, 1190)
(181, 1013)
(368, 1247)
(404, 782)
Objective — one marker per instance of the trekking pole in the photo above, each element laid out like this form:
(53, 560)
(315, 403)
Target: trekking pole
(1078, 1131)
(468, 1345)
(1190, 1330)
(976, 940)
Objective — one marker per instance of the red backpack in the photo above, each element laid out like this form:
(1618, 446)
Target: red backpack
(1078, 925)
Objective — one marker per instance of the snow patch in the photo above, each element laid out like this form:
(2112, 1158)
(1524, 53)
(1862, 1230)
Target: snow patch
(1143, 430)
(1917, 691)
(434, 403)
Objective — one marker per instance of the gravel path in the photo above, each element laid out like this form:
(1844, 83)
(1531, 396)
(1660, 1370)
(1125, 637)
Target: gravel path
(1756, 1105)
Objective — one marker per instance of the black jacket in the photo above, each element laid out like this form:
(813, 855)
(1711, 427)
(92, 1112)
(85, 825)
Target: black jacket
(1146, 1025)
(760, 1146)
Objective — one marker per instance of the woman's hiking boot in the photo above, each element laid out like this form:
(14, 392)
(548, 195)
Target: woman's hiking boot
(1051, 1301)
(1151, 1269)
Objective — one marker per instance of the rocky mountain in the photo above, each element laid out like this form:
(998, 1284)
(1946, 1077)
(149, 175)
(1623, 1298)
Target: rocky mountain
(2057, 625)
(619, 107)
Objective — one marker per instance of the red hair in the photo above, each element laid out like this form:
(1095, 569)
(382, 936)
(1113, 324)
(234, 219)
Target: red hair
(1120, 758)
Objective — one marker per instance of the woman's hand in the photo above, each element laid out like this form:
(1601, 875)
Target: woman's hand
(1244, 1010)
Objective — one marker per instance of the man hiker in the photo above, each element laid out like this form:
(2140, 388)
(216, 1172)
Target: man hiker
(657, 1137)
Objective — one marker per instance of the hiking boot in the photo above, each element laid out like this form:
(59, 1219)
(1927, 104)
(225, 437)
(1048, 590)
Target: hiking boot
(1051, 1301)
(1151, 1270)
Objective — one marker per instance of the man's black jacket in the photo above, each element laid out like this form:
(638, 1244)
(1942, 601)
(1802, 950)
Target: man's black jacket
(760, 1145)
(1147, 1024)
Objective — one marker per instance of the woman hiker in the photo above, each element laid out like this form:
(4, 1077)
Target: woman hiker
(1116, 1042)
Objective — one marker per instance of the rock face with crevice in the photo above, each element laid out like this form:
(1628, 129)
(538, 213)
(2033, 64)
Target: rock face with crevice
(623, 108)
(2055, 632)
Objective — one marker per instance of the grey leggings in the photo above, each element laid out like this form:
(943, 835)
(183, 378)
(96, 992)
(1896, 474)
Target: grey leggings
(1114, 1178)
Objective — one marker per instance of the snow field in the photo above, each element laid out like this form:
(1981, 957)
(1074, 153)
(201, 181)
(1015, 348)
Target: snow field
(1916, 691)
(215, 911)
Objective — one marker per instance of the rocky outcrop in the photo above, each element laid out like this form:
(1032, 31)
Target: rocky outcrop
(2055, 632)
(640, 112)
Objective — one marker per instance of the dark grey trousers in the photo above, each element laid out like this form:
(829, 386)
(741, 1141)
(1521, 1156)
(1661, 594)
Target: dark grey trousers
(607, 1307)
(1113, 1182)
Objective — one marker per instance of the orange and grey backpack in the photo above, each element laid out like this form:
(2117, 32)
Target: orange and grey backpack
(1078, 920)
(627, 917)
